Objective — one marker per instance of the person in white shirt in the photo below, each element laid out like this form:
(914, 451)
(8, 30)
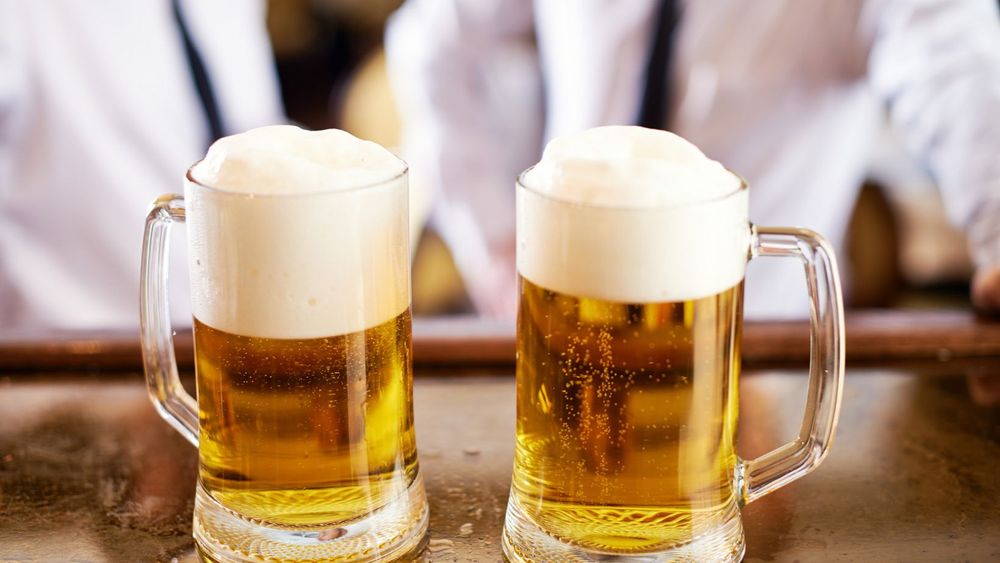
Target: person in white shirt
(788, 93)
(103, 108)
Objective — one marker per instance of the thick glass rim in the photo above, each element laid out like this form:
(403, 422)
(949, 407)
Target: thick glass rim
(189, 176)
(743, 187)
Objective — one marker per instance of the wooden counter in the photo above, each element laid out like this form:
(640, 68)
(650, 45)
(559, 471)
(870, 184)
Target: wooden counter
(873, 338)
(88, 471)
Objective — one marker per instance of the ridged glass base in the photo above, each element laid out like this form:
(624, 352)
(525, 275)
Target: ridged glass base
(524, 542)
(392, 533)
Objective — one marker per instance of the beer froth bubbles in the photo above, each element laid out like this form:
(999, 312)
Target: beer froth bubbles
(260, 277)
(691, 241)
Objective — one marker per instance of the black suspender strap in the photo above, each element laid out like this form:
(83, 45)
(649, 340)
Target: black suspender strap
(199, 75)
(655, 97)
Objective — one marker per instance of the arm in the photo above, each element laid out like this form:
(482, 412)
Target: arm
(468, 120)
(937, 64)
(13, 86)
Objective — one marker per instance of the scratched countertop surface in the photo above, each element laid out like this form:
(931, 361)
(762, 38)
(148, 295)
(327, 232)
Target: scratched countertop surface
(88, 471)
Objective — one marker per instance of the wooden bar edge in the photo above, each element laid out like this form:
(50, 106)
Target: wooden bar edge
(879, 337)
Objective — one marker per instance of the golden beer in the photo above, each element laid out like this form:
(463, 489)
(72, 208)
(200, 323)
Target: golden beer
(298, 252)
(306, 432)
(632, 248)
(626, 414)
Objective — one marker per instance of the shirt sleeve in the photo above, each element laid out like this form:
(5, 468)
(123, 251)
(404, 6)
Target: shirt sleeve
(13, 83)
(937, 64)
(452, 64)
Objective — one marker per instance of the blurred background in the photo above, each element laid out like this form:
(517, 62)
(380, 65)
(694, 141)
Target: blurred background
(902, 252)
(67, 69)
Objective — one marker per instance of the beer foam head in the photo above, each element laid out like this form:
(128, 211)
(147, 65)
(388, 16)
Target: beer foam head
(286, 159)
(297, 234)
(631, 214)
(629, 167)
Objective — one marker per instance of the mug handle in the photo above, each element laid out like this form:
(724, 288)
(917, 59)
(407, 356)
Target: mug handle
(779, 467)
(174, 404)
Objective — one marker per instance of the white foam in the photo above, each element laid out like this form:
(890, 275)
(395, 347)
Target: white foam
(286, 159)
(301, 234)
(630, 214)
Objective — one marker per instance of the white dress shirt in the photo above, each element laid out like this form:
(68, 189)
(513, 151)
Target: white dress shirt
(98, 116)
(787, 93)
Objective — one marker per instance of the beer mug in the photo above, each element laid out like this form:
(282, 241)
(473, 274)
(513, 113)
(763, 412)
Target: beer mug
(628, 357)
(303, 419)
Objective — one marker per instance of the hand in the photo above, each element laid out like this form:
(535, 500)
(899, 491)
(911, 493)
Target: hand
(494, 291)
(986, 289)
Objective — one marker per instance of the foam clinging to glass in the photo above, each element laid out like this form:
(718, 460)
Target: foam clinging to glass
(297, 234)
(630, 214)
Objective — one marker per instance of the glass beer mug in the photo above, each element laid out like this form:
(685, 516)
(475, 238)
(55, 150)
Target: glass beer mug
(303, 419)
(628, 357)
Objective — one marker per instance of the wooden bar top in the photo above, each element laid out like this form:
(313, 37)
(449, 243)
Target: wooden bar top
(873, 338)
(90, 473)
